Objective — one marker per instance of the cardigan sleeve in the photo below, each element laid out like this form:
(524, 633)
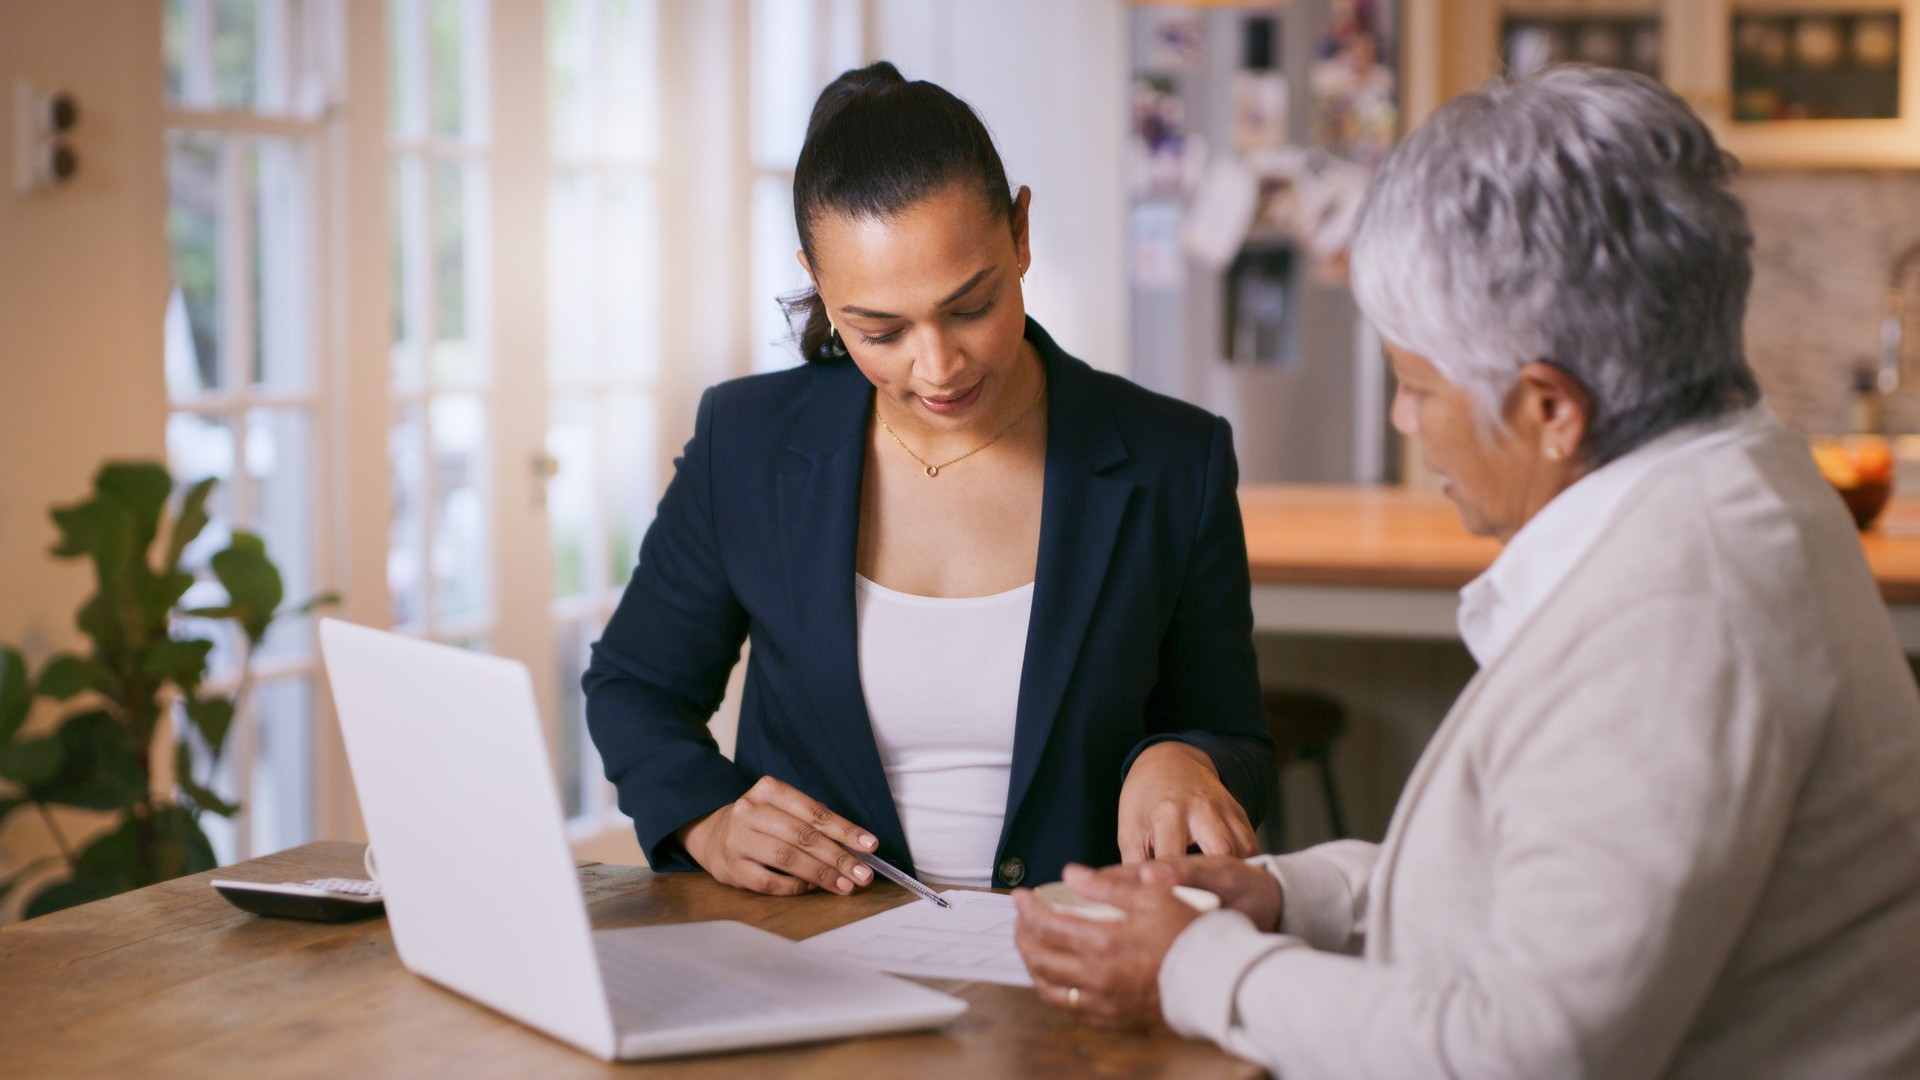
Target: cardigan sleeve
(660, 669)
(1636, 802)
(1208, 692)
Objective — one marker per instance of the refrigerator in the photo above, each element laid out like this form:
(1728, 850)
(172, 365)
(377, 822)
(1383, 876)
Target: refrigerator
(1254, 130)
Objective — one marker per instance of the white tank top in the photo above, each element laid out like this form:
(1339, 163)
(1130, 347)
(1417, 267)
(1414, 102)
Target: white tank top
(942, 682)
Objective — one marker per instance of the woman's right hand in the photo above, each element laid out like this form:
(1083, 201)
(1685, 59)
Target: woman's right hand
(1240, 885)
(776, 839)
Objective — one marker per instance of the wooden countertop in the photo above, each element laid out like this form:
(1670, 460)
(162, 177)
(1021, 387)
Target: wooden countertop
(171, 981)
(1327, 534)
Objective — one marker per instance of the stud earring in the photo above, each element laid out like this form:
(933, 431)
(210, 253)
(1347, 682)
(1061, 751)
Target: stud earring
(1554, 453)
(833, 338)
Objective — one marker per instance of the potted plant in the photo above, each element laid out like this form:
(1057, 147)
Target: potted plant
(140, 671)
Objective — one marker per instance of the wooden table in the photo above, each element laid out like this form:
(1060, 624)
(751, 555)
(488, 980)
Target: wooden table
(171, 981)
(1342, 561)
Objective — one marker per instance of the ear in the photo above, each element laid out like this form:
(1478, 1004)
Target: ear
(1021, 202)
(801, 257)
(1557, 405)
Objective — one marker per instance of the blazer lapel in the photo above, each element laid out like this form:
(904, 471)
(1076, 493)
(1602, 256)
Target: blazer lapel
(819, 509)
(1080, 515)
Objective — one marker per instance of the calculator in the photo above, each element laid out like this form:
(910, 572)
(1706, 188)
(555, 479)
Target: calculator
(319, 900)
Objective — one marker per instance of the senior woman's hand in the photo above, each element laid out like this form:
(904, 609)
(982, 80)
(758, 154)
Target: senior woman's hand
(1107, 972)
(1172, 799)
(777, 839)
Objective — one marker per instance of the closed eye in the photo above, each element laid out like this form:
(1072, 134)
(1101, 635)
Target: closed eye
(975, 313)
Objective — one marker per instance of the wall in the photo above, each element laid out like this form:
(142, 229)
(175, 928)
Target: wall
(1824, 244)
(83, 280)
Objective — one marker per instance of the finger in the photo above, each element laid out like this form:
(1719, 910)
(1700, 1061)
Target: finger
(1123, 890)
(815, 813)
(747, 874)
(1170, 836)
(783, 857)
(1134, 840)
(1246, 841)
(803, 835)
(1058, 931)
(1210, 832)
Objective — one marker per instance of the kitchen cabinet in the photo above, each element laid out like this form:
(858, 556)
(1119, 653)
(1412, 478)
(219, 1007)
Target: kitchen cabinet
(1738, 62)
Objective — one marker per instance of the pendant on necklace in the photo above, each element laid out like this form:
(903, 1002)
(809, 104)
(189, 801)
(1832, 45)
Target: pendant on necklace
(933, 470)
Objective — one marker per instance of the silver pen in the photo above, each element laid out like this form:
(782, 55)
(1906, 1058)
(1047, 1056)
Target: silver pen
(897, 876)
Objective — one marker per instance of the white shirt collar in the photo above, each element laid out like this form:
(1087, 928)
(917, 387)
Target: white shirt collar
(1496, 604)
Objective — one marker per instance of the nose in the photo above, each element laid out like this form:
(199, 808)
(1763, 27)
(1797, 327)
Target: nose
(941, 359)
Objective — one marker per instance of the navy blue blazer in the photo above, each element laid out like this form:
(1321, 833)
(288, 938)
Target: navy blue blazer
(1141, 627)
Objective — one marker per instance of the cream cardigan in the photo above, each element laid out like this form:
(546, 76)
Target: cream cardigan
(1672, 830)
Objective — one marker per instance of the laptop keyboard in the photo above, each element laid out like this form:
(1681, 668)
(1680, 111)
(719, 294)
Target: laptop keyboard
(649, 991)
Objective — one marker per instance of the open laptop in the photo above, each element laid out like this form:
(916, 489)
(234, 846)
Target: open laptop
(484, 898)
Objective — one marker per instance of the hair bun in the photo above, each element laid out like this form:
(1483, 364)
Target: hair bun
(853, 83)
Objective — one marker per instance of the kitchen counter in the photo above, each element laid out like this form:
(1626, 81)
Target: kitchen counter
(1340, 561)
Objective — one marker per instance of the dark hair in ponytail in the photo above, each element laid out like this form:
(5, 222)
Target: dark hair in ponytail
(876, 145)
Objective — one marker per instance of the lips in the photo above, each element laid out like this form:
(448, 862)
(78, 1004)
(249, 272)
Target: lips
(952, 403)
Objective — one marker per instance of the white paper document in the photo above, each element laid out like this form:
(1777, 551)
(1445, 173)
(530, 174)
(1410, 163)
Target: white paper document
(972, 940)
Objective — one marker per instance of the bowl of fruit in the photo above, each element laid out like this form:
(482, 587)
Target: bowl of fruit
(1860, 467)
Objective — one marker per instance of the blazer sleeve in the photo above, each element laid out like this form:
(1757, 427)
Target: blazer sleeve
(1208, 693)
(1637, 813)
(659, 671)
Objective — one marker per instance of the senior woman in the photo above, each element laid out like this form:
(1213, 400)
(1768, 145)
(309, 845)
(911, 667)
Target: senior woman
(1672, 827)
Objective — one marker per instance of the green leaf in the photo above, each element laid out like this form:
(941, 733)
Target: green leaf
(253, 584)
(142, 488)
(185, 662)
(64, 676)
(179, 844)
(202, 797)
(188, 524)
(161, 592)
(212, 717)
(16, 694)
(100, 620)
(107, 867)
(323, 600)
(211, 613)
(31, 762)
(102, 528)
(100, 766)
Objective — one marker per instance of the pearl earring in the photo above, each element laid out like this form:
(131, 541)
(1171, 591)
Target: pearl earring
(1554, 453)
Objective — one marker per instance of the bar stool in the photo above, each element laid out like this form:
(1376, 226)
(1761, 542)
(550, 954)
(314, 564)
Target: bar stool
(1304, 725)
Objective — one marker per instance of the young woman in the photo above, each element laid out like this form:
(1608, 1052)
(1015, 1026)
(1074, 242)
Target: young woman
(998, 601)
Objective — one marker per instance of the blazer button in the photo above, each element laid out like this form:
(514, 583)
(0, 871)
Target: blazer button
(1012, 870)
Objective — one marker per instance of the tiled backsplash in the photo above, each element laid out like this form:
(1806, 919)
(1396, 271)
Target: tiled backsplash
(1824, 244)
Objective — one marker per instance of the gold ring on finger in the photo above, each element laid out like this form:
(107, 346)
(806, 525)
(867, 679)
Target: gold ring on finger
(1073, 998)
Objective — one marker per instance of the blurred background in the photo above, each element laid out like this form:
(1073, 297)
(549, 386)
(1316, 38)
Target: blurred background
(431, 286)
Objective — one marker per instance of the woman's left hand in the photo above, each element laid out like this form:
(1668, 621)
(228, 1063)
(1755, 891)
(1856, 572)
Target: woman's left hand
(1173, 798)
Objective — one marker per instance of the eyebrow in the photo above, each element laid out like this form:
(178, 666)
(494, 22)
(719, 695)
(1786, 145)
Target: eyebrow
(956, 294)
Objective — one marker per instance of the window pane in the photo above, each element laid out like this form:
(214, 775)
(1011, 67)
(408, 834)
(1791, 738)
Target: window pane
(571, 493)
(570, 658)
(843, 36)
(632, 443)
(630, 81)
(631, 276)
(235, 63)
(194, 225)
(279, 459)
(173, 44)
(199, 447)
(570, 34)
(459, 552)
(451, 32)
(283, 256)
(775, 273)
(406, 542)
(456, 210)
(281, 807)
(406, 67)
(783, 80)
(573, 279)
(409, 272)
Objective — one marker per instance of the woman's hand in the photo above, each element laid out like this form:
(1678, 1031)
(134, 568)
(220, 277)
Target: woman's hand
(1107, 972)
(1173, 798)
(776, 839)
(1241, 887)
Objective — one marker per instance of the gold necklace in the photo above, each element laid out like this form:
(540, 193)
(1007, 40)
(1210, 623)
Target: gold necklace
(934, 470)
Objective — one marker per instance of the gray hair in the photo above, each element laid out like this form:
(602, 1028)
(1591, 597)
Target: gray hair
(1578, 216)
